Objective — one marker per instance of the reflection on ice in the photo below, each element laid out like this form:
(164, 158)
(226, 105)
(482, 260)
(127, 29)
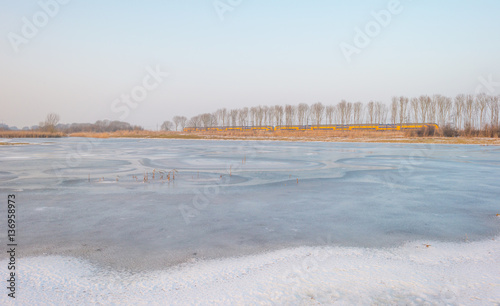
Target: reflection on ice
(232, 198)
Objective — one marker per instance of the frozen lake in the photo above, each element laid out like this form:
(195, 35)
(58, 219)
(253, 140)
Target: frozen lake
(89, 198)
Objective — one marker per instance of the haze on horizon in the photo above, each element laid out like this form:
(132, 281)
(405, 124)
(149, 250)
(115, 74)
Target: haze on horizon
(84, 55)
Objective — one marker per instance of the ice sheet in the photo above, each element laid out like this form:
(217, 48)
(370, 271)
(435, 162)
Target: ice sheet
(84, 205)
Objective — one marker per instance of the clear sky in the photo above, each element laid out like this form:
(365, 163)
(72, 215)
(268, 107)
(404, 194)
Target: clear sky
(245, 53)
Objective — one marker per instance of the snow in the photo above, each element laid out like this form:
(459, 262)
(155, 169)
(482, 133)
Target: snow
(442, 273)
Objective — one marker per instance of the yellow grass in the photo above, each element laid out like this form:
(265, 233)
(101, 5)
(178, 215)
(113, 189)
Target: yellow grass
(30, 134)
(326, 136)
(346, 136)
(137, 134)
(12, 143)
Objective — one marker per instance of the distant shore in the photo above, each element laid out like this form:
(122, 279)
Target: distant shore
(365, 136)
(326, 136)
(323, 136)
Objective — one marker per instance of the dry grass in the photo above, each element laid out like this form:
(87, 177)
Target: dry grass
(12, 143)
(137, 134)
(326, 136)
(301, 134)
(30, 134)
(90, 135)
(347, 136)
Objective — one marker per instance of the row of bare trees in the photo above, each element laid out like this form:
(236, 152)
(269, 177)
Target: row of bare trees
(464, 111)
(51, 124)
(302, 114)
(178, 122)
(473, 111)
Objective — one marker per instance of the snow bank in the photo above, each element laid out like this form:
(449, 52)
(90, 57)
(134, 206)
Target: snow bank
(415, 273)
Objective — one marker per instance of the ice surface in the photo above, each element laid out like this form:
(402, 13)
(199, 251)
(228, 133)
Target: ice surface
(87, 199)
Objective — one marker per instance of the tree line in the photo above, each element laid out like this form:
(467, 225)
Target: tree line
(100, 126)
(461, 112)
(51, 124)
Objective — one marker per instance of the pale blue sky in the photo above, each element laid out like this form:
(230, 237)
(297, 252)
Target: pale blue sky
(262, 53)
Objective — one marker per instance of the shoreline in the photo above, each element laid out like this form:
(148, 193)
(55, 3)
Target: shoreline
(394, 140)
(424, 140)
(405, 140)
(178, 260)
(352, 136)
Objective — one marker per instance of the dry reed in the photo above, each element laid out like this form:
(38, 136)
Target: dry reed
(30, 134)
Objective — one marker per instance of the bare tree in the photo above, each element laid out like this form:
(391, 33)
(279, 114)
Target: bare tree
(195, 122)
(443, 108)
(378, 112)
(459, 106)
(177, 121)
(349, 110)
(52, 119)
(265, 115)
(221, 115)
(50, 122)
(357, 112)
(448, 108)
(272, 115)
(243, 116)
(329, 113)
(394, 109)
(440, 105)
(317, 110)
(403, 110)
(432, 108)
(381, 111)
(494, 108)
(482, 103)
(415, 109)
(342, 109)
(234, 117)
(253, 115)
(338, 114)
(215, 119)
(370, 111)
(182, 122)
(469, 109)
(278, 113)
(101, 125)
(259, 115)
(302, 111)
(167, 126)
(424, 102)
(290, 111)
(207, 119)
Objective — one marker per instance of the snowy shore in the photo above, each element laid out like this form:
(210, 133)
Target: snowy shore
(415, 273)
